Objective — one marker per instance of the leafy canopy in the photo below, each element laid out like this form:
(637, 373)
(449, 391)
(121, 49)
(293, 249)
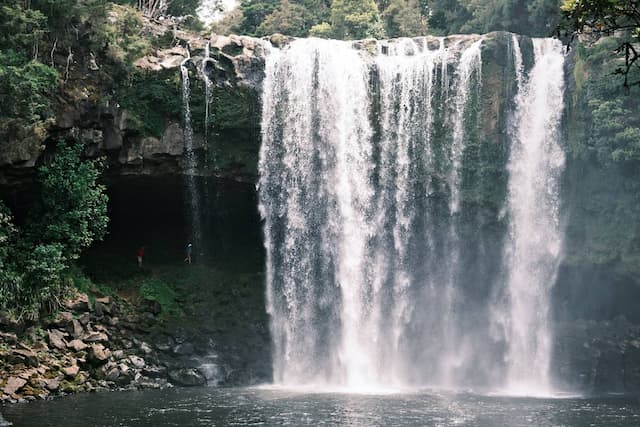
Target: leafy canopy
(35, 262)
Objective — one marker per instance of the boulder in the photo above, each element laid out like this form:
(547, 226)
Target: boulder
(51, 384)
(145, 348)
(8, 338)
(29, 358)
(104, 300)
(95, 337)
(187, 377)
(75, 328)
(71, 371)
(155, 371)
(164, 343)
(137, 362)
(112, 374)
(62, 318)
(79, 303)
(56, 339)
(84, 319)
(98, 355)
(77, 345)
(13, 384)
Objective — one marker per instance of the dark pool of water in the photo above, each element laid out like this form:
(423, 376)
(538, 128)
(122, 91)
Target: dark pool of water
(273, 407)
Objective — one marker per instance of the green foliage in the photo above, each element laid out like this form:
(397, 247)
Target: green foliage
(355, 19)
(35, 263)
(605, 119)
(183, 7)
(322, 30)
(151, 99)
(28, 84)
(288, 18)
(598, 18)
(254, 13)
(74, 205)
(154, 289)
(404, 18)
(19, 27)
(120, 35)
(534, 18)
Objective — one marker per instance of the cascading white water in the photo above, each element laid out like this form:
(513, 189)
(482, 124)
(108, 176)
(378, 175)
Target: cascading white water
(372, 280)
(208, 87)
(340, 184)
(533, 250)
(192, 195)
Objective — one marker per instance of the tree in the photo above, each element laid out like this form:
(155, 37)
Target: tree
(254, 12)
(74, 205)
(290, 19)
(598, 18)
(356, 19)
(35, 262)
(404, 18)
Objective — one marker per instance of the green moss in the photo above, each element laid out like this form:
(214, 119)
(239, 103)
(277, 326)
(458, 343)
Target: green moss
(237, 108)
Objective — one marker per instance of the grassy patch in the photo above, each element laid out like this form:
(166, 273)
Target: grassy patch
(155, 289)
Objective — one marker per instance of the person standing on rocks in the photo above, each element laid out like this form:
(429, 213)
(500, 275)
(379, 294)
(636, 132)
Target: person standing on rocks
(189, 251)
(140, 256)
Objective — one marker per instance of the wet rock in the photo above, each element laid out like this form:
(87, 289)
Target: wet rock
(145, 348)
(164, 343)
(137, 362)
(155, 371)
(187, 377)
(118, 354)
(184, 349)
(56, 339)
(112, 374)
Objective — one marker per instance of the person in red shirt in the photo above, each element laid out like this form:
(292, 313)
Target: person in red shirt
(140, 255)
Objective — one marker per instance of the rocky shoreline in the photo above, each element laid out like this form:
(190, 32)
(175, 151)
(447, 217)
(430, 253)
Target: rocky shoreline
(96, 344)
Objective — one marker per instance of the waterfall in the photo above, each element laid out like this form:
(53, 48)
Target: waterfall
(532, 253)
(191, 189)
(372, 247)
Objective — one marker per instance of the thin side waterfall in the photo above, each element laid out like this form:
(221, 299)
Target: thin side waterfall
(192, 194)
(208, 91)
(534, 246)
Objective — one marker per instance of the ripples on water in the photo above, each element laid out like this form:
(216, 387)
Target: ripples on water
(275, 407)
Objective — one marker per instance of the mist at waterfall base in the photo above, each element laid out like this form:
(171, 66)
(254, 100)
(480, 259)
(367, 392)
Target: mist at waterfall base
(382, 272)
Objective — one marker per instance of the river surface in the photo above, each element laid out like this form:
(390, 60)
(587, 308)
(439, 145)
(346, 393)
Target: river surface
(275, 407)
